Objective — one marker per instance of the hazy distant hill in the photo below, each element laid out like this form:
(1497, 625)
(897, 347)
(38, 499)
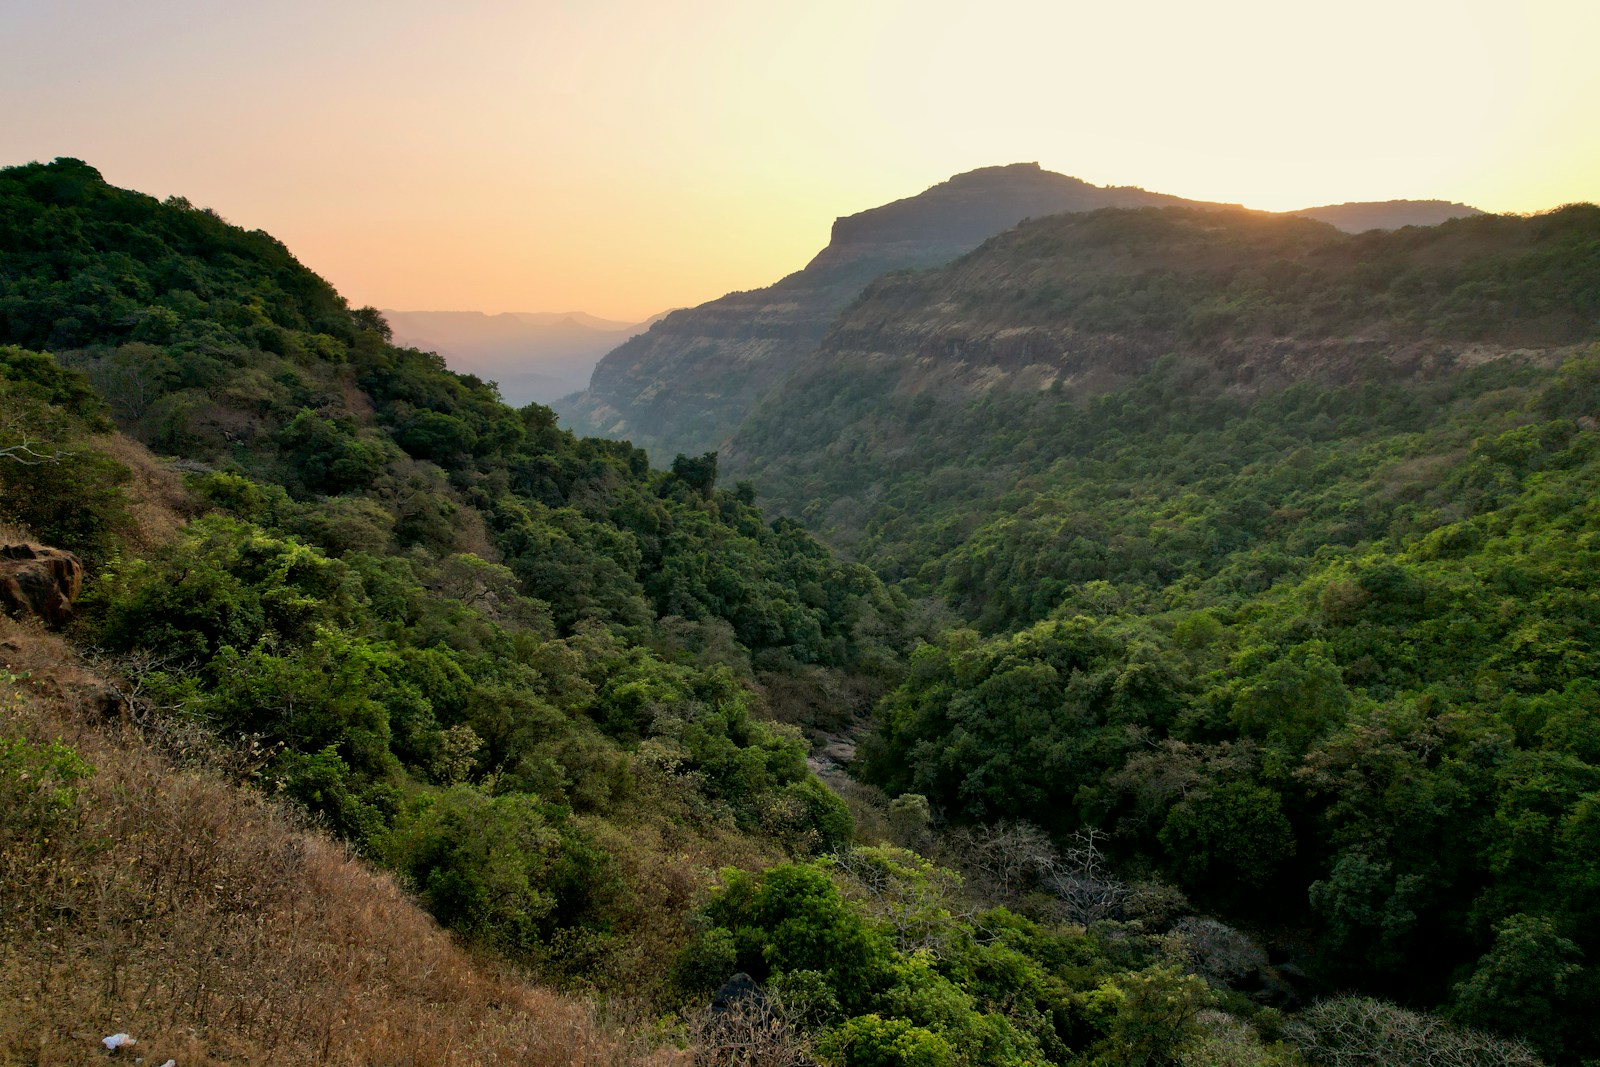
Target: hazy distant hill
(1388, 215)
(535, 356)
(686, 384)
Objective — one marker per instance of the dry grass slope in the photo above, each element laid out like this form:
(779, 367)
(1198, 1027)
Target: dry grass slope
(168, 903)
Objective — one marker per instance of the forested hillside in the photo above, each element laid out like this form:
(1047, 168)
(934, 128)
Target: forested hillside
(1284, 540)
(1270, 691)
(685, 384)
(688, 383)
(519, 668)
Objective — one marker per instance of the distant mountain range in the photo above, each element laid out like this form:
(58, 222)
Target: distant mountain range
(534, 356)
(686, 383)
(1387, 215)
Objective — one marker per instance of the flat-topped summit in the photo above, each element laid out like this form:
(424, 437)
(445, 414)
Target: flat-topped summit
(684, 385)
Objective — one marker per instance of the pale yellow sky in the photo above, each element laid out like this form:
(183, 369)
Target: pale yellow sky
(621, 157)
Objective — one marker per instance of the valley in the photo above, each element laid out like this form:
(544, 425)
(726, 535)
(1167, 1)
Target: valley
(1075, 625)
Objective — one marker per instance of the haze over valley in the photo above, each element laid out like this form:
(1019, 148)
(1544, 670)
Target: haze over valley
(534, 357)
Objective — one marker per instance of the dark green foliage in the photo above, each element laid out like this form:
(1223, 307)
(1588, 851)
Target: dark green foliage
(1521, 984)
(53, 480)
(480, 863)
(87, 264)
(699, 473)
(792, 919)
(1228, 841)
(1323, 653)
(38, 377)
(453, 627)
(328, 455)
(1363, 693)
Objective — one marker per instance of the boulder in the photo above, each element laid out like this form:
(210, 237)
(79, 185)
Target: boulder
(39, 582)
(739, 995)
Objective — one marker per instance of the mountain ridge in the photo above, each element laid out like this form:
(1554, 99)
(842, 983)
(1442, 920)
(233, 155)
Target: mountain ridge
(684, 385)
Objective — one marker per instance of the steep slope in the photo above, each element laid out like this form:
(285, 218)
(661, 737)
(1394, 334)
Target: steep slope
(532, 357)
(685, 384)
(1078, 305)
(143, 894)
(520, 669)
(1284, 543)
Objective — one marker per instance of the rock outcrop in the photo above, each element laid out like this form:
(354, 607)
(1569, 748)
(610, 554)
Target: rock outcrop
(1077, 305)
(687, 383)
(39, 582)
(684, 385)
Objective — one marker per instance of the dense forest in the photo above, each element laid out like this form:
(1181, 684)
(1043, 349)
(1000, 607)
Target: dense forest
(520, 668)
(1203, 724)
(1276, 545)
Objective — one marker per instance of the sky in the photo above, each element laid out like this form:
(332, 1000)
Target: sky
(621, 157)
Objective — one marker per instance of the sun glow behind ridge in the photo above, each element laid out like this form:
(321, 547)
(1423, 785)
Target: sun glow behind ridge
(623, 157)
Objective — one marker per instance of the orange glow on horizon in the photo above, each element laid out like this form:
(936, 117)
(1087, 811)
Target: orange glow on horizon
(623, 157)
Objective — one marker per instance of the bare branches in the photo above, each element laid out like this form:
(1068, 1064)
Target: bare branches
(24, 453)
(24, 447)
(1082, 882)
(1019, 858)
(1354, 1031)
(749, 1032)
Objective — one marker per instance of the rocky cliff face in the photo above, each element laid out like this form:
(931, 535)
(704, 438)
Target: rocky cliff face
(684, 385)
(1082, 304)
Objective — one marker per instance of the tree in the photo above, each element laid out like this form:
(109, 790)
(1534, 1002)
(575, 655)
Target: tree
(1520, 984)
(698, 473)
(1363, 1032)
(1229, 835)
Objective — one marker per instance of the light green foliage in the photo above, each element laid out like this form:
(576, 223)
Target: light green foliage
(38, 790)
(989, 988)
(1147, 1017)
(870, 1041)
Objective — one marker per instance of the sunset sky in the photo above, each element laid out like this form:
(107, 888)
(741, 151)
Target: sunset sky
(621, 157)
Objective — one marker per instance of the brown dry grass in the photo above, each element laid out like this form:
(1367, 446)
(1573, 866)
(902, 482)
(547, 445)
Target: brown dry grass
(203, 920)
(670, 868)
(12, 533)
(158, 501)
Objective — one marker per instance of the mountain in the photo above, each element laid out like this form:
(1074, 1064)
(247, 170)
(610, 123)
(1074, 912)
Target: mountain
(535, 357)
(442, 627)
(1387, 215)
(1250, 675)
(684, 384)
(1077, 305)
(1262, 529)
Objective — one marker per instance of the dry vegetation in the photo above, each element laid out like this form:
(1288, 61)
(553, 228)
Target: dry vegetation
(167, 903)
(157, 501)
